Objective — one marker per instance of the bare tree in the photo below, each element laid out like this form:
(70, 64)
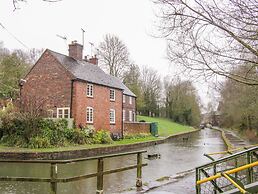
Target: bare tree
(114, 55)
(151, 91)
(213, 37)
(16, 2)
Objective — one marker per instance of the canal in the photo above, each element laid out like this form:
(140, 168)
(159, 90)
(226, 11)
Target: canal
(176, 156)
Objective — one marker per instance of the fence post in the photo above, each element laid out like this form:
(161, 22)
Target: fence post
(53, 175)
(250, 170)
(139, 172)
(215, 181)
(236, 165)
(100, 176)
(198, 177)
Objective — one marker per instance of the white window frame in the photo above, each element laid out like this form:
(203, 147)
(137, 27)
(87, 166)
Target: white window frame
(130, 115)
(90, 111)
(123, 115)
(124, 98)
(112, 116)
(130, 100)
(114, 96)
(63, 111)
(89, 90)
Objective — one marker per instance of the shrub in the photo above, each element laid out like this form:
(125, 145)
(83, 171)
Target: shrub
(21, 124)
(81, 137)
(13, 140)
(39, 142)
(54, 131)
(102, 137)
(29, 130)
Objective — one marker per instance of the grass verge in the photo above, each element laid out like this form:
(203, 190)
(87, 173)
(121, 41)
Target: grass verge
(166, 127)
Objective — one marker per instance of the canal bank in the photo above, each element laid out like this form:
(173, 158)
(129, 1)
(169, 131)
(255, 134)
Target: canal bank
(89, 152)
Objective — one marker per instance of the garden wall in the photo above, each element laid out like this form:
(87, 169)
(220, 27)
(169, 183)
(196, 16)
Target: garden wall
(136, 128)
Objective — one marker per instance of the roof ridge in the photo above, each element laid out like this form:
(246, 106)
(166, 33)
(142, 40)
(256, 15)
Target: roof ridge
(86, 71)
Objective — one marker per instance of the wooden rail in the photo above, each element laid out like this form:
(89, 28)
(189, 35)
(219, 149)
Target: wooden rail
(54, 180)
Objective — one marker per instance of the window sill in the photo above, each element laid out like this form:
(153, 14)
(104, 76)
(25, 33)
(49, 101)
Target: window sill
(89, 122)
(112, 100)
(112, 123)
(90, 96)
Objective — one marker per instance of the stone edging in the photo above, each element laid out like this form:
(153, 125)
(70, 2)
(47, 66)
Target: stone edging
(82, 153)
(225, 139)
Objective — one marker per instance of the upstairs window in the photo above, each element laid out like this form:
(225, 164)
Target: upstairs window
(63, 113)
(89, 115)
(112, 116)
(123, 98)
(112, 95)
(90, 90)
(130, 100)
(123, 115)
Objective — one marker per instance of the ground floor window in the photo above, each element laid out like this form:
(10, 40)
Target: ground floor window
(89, 115)
(130, 115)
(63, 112)
(112, 116)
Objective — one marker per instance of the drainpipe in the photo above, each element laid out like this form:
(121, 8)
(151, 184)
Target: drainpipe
(71, 103)
(122, 115)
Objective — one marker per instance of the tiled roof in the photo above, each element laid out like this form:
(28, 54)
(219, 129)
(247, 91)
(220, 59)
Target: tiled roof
(89, 72)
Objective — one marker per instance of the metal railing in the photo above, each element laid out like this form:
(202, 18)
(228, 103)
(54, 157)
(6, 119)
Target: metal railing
(54, 179)
(210, 177)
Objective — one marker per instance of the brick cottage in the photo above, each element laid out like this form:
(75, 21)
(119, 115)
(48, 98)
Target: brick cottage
(72, 87)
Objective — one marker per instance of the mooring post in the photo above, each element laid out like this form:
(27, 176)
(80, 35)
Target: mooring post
(139, 172)
(53, 176)
(100, 176)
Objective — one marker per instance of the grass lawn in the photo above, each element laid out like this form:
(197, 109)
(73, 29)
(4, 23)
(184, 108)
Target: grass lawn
(166, 127)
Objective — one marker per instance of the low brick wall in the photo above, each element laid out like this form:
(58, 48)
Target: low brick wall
(136, 127)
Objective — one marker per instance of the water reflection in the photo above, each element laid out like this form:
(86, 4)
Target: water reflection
(176, 156)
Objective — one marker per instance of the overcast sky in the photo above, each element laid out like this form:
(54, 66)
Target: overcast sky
(37, 24)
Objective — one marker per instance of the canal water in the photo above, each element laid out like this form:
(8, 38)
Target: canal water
(177, 156)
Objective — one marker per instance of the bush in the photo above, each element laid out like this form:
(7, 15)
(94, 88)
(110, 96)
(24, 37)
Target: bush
(54, 130)
(13, 140)
(28, 130)
(102, 137)
(20, 124)
(39, 142)
(81, 137)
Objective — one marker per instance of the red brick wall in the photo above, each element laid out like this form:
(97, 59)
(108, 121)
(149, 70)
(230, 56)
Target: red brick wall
(129, 107)
(101, 105)
(136, 128)
(48, 83)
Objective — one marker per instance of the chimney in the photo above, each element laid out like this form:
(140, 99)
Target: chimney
(93, 60)
(75, 50)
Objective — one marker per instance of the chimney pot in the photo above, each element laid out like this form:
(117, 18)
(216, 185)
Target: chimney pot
(93, 60)
(75, 50)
